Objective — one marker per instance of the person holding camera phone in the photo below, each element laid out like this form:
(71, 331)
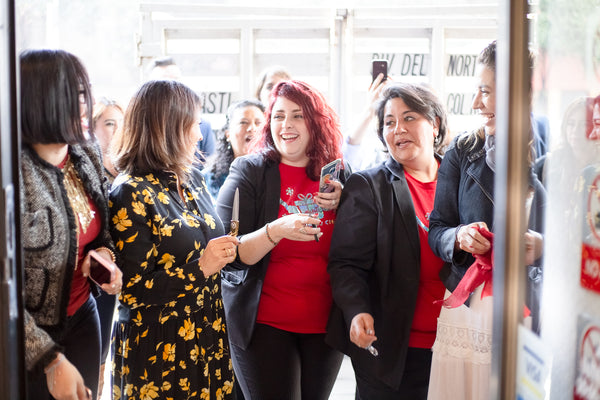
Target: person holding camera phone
(384, 276)
(358, 149)
(276, 293)
(64, 218)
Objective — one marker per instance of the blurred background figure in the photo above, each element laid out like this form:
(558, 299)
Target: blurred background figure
(106, 119)
(64, 217)
(572, 147)
(359, 149)
(243, 121)
(268, 79)
(166, 68)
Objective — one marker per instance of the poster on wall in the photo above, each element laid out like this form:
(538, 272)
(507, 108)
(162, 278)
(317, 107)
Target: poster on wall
(590, 246)
(534, 363)
(587, 373)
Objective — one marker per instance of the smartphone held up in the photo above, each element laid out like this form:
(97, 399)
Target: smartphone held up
(379, 67)
(330, 172)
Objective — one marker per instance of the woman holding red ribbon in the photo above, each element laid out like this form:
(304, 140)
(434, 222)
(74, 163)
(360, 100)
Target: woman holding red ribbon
(461, 227)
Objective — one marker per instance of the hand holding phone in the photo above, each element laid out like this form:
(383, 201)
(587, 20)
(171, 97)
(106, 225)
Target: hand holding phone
(379, 67)
(330, 172)
(101, 270)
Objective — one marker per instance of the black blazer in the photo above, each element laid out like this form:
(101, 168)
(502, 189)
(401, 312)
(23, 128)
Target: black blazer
(374, 263)
(259, 184)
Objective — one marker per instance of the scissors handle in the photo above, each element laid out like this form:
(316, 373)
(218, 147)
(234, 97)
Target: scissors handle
(235, 226)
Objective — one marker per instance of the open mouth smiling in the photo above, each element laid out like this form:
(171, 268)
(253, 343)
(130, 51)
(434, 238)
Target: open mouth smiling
(288, 136)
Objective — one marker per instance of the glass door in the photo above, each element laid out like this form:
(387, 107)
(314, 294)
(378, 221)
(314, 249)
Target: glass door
(563, 360)
(11, 344)
(567, 74)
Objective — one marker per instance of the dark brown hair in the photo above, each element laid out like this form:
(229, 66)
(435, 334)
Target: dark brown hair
(155, 134)
(421, 100)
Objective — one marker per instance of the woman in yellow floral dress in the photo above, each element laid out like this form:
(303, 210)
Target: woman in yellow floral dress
(170, 340)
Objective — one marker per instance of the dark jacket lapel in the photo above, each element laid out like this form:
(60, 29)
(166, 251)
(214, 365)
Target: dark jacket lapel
(403, 199)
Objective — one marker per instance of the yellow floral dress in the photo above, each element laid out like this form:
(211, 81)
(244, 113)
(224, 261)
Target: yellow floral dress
(169, 341)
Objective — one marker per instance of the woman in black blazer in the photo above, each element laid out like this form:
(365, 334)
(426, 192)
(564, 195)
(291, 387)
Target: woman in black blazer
(383, 274)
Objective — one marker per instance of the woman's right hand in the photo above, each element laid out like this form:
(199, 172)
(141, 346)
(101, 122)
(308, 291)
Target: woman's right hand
(295, 227)
(375, 90)
(362, 330)
(470, 240)
(218, 253)
(65, 382)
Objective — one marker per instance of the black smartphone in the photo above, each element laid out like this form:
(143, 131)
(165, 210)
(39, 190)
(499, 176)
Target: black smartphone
(379, 67)
(101, 270)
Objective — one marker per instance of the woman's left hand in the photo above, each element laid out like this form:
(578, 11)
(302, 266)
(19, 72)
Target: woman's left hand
(331, 200)
(115, 285)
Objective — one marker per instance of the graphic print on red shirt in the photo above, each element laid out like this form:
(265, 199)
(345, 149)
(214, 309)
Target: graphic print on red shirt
(296, 294)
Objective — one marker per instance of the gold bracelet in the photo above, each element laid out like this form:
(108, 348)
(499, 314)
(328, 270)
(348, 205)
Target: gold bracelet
(269, 236)
(112, 255)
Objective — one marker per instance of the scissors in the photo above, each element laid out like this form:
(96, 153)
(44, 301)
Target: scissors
(235, 214)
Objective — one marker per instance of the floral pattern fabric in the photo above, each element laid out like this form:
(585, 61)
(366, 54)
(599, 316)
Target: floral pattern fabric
(169, 341)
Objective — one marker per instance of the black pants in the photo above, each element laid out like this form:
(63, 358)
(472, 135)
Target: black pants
(415, 380)
(81, 341)
(281, 365)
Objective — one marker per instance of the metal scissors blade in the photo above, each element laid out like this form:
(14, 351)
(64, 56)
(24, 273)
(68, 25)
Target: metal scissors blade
(235, 213)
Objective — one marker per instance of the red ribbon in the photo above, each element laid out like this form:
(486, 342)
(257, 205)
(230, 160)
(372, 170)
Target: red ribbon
(479, 272)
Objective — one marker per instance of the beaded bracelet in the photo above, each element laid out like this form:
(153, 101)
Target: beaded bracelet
(112, 255)
(269, 236)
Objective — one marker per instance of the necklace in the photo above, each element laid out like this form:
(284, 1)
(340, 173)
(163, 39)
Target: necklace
(77, 196)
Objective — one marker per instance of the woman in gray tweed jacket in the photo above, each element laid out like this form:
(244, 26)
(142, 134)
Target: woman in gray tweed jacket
(64, 216)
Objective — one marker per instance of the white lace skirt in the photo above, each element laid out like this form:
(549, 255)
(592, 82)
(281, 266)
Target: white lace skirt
(462, 352)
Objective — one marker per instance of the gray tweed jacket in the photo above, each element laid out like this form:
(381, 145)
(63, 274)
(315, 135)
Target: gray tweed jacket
(49, 240)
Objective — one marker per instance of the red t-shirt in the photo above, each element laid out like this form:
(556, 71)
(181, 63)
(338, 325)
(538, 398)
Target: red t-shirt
(80, 286)
(296, 294)
(431, 288)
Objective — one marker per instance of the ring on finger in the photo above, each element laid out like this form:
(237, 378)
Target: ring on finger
(333, 202)
(302, 230)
